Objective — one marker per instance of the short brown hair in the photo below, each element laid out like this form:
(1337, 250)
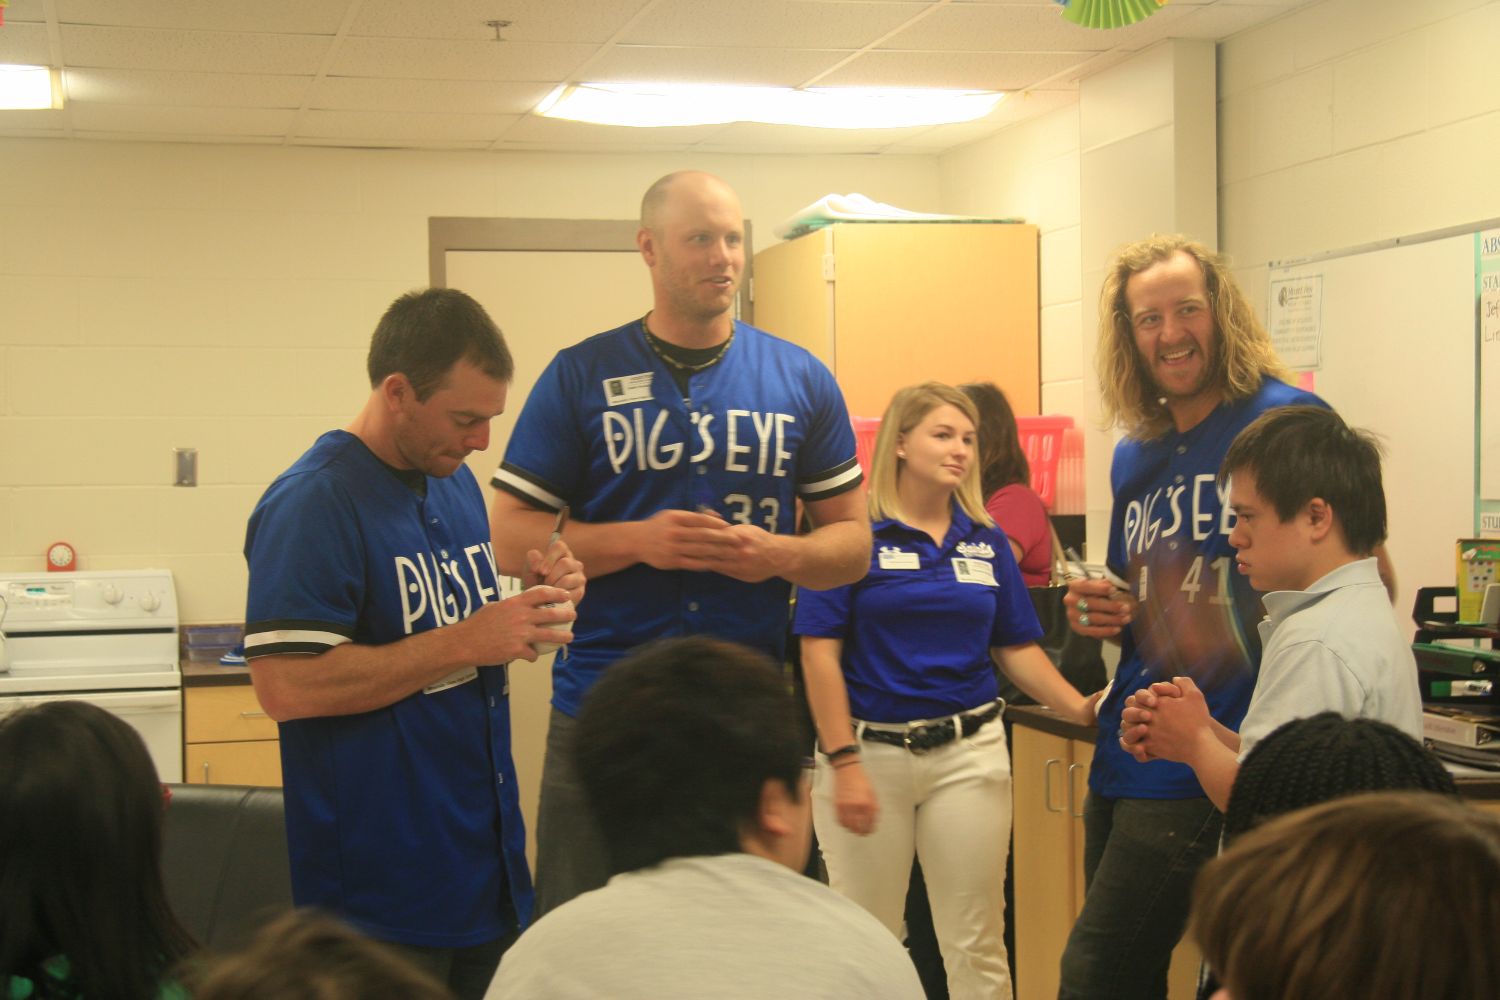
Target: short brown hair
(1382, 896)
(1243, 355)
(1297, 453)
(423, 334)
(308, 955)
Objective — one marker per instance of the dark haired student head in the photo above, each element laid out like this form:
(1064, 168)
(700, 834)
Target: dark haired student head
(82, 909)
(692, 758)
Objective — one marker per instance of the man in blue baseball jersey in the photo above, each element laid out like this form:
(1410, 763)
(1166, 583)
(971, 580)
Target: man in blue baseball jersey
(377, 639)
(1183, 366)
(682, 442)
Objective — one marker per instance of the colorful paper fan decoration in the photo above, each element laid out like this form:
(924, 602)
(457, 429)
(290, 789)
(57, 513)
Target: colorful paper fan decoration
(1108, 13)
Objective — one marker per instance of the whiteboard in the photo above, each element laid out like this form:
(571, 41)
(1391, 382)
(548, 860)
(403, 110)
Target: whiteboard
(1396, 356)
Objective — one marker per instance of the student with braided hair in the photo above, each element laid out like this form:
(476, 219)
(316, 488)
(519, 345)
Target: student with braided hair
(1326, 756)
(1310, 761)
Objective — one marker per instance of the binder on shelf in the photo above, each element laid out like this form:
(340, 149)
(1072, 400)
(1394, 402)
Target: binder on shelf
(1462, 726)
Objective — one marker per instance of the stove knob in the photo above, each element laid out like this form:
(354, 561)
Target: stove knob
(150, 602)
(111, 594)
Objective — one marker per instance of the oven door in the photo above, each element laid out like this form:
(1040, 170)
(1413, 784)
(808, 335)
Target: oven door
(156, 715)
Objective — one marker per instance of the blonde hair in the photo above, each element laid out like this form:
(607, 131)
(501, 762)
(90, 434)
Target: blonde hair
(907, 409)
(1243, 355)
(1382, 896)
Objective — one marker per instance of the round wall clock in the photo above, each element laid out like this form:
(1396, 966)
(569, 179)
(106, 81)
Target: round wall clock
(61, 558)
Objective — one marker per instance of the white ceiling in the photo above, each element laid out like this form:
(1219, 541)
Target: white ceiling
(430, 74)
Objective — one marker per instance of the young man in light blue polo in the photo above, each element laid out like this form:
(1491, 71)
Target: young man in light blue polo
(1309, 510)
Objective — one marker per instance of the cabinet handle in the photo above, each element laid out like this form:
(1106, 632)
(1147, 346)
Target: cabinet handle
(1076, 813)
(205, 772)
(1047, 784)
(252, 715)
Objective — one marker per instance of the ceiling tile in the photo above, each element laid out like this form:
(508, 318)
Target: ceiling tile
(1000, 28)
(25, 44)
(750, 67)
(961, 70)
(448, 145)
(25, 10)
(179, 121)
(18, 122)
(769, 23)
(293, 17)
(744, 136)
(344, 93)
(425, 59)
(535, 128)
(167, 89)
(194, 51)
(402, 125)
(587, 21)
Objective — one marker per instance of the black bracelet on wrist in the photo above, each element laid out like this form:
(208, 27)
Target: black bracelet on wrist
(850, 750)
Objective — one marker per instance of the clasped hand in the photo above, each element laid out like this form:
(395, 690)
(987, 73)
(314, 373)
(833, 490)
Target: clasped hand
(705, 542)
(1164, 721)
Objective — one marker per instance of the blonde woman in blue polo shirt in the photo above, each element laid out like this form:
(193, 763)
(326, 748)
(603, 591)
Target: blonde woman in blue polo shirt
(902, 687)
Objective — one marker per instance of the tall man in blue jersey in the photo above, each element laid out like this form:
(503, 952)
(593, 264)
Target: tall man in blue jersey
(682, 442)
(377, 639)
(1183, 366)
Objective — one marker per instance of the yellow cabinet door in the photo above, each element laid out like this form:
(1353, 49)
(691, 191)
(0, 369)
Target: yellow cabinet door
(252, 762)
(225, 713)
(1044, 861)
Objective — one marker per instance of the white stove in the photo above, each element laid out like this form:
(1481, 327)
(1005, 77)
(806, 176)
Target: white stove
(104, 636)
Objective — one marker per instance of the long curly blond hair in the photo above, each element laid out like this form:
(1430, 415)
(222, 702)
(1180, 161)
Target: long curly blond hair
(1243, 355)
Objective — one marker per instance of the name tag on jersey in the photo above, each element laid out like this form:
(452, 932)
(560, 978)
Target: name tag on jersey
(896, 559)
(628, 389)
(974, 571)
(463, 675)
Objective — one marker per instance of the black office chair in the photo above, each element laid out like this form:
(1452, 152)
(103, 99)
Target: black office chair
(224, 861)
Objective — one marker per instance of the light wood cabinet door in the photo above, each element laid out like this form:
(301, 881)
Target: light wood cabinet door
(252, 762)
(225, 713)
(1044, 862)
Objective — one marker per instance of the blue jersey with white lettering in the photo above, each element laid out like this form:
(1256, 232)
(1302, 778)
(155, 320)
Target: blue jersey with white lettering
(1169, 538)
(918, 629)
(606, 431)
(406, 820)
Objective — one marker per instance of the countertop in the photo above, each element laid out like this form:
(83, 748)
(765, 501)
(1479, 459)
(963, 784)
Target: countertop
(1044, 719)
(211, 673)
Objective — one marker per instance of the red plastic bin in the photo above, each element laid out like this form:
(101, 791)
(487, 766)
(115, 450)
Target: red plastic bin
(1042, 441)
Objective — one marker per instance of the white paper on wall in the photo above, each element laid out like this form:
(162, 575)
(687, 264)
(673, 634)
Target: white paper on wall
(1295, 318)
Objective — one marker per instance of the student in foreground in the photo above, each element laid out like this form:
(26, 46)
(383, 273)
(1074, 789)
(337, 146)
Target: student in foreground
(1309, 512)
(692, 760)
(1381, 896)
(311, 955)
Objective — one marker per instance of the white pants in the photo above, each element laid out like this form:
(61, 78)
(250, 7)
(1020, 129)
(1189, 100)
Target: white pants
(951, 806)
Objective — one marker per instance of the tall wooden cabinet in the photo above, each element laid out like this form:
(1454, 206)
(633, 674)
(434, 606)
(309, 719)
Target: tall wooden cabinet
(888, 304)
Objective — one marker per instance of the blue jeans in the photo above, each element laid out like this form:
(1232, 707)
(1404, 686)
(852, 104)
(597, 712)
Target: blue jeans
(1140, 856)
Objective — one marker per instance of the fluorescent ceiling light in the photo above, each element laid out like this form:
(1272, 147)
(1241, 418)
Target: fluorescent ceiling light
(28, 88)
(657, 105)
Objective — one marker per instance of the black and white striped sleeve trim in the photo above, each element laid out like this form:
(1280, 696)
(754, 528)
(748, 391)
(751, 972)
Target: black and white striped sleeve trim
(293, 635)
(839, 479)
(522, 484)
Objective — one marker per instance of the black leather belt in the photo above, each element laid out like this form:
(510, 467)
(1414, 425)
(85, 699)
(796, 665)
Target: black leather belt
(922, 738)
